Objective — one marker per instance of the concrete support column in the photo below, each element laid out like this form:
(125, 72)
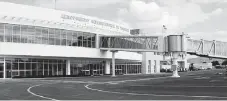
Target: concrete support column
(4, 68)
(97, 41)
(175, 64)
(113, 63)
(157, 67)
(144, 63)
(185, 62)
(107, 67)
(68, 69)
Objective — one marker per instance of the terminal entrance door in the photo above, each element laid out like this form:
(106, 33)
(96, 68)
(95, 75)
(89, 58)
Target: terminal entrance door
(8, 72)
(118, 69)
(1, 69)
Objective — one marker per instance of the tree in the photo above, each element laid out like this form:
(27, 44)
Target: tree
(224, 62)
(215, 63)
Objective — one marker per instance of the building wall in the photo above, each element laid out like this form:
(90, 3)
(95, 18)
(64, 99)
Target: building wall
(50, 18)
(36, 16)
(151, 63)
(30, 15)
(25, 49)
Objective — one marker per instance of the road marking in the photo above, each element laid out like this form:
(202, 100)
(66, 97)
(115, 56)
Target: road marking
(93, 82)
(123, 81)
(89, 88)
(87, 82)
(202, 78)
(29, 91)
(113, 83)
(215, 80)
(166, 86)
(139, 94)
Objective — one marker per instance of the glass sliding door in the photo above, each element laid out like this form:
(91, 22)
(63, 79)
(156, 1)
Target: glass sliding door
(8, 69)
(15, 69)
(50, 69)
(55, 69)
(34, 69)
(1, 70)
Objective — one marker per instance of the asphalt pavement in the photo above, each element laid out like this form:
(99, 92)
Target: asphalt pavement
(196, 85)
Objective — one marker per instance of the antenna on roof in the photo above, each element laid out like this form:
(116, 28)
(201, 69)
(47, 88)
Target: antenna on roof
(164, 28)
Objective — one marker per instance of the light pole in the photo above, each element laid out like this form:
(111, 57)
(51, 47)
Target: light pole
(164, 28)
(163, 35)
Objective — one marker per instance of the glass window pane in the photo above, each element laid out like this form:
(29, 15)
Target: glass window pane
(31, 34)
(93, 44)
(40, 69)
(8, 33)
(80, 38)
(69, 38)
(1, 32)
(51, 36)
(24, 34)
(50, 69)
(63, 42)
(28, 68)
(63, 37)
(38, 35)
(74, 39)
(57, 37)
(89, 40)
(34, 69)
(31, 30)
(93, 36)
(54, 69)
(44, 35)
(85, 36)
(63, 34)
(16, 38)
(46, 69)
(21, 69)
(16, 29)
(30, 39)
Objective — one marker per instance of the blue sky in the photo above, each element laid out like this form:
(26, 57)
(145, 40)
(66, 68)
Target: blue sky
(197, 18)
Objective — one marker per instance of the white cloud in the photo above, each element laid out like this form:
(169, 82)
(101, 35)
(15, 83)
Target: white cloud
(75, 4)
(217, 11)
(175, 14)
(208, 1)
(219, 35)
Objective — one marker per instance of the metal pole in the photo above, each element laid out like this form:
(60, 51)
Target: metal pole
(4, 68)
(164, 44)
(113, 63)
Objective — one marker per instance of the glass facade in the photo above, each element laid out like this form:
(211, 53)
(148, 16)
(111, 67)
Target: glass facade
(36, 67)
(86, 67)
(42, 35)
(127, 68)
(128, 43)
(32, 67)
(121, 43)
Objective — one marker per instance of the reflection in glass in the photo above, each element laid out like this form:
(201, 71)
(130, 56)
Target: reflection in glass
(1, 32)
(43, 35)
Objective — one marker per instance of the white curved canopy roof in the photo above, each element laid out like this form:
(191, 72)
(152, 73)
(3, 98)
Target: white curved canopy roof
(23, 14)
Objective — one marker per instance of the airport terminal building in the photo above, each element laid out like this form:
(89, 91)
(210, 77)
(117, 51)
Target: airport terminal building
(45, 42)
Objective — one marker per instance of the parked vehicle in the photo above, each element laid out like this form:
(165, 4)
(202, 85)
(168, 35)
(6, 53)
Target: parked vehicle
(219, 67)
